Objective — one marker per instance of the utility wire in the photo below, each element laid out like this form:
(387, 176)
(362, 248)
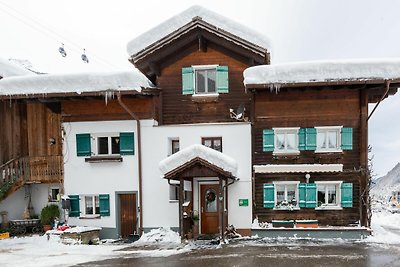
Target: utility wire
(36, 25)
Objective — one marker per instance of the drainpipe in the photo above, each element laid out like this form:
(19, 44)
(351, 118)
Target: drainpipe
(136, 118)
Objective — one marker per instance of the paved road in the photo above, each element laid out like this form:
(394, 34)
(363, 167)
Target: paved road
(264, 253)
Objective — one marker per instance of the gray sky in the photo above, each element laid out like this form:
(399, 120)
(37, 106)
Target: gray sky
(298, 29)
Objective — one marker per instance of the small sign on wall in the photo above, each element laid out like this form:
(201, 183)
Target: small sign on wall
(243, 202)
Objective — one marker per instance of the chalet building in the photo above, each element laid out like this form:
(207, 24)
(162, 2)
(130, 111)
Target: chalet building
(197, 59)
(310, 138)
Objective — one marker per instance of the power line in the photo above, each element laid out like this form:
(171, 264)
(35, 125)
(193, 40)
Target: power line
(36, 25)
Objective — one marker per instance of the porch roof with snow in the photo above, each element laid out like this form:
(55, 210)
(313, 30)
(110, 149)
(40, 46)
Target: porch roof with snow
(80, 84)
(198, 161)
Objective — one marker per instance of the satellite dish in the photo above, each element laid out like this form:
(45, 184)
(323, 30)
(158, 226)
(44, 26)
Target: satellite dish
(239, 115)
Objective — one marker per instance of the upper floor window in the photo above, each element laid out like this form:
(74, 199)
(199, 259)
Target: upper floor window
(328, 139)
(105, 144)
(212, 142)
(206, 79)
(174, 146)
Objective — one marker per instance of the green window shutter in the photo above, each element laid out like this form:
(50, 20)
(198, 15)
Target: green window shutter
(74, 206)
(269, 196)
(311, 195)
(187, 81)
(302, 195)
(222, 79)
(302, 139)
(311, 138)
(127, 143)
(83, 145)
(347, 195)
(104, 205)
(347, 138)
(268, 140)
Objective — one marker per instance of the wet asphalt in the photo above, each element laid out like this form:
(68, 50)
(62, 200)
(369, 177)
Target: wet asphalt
(249, 253)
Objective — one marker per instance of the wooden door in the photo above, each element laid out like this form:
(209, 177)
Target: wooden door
(127, 214)
(209, 208)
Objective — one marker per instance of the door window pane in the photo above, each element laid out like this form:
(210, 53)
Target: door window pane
(210, 201)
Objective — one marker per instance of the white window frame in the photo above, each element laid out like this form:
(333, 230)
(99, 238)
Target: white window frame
(285, 131)
(204, 67)
(83, 206)
(338, 186)
(170, 141)
(95, 143)
(286, 183)
(325, 129)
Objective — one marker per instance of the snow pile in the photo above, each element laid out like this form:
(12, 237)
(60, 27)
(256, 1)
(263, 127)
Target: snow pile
(160, 235)
(74, 83)
(8, 69)
(38, 251)
(210, 155)
(386, 228)
(323, 71)
(173, 24)
(81, 229)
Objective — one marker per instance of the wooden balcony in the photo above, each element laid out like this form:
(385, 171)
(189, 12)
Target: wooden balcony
(28, 170)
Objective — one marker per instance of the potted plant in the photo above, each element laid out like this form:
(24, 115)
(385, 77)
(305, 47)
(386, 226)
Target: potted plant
(47, 216)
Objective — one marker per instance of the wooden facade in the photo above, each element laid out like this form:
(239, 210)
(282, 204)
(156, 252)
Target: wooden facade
(308, 107)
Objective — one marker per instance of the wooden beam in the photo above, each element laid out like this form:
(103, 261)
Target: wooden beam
(155, 69)
(202, 43)
(181, 198)
(221, 209)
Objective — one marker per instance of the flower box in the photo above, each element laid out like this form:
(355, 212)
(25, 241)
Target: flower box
(306, 223)
(285, 223)
(4, 235)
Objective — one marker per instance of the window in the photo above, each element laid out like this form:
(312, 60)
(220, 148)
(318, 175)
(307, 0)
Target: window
(203, 80)
(286, 140)
(212, 142)
(54, 194)
(328, 139)
(328, 194)
(286, 195)
(174, 192)
(92, 205)
(106, 144)
(174, 146)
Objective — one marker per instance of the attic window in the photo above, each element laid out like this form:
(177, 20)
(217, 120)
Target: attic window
(203, 80)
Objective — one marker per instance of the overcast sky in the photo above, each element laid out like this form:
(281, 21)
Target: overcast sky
(298, 29)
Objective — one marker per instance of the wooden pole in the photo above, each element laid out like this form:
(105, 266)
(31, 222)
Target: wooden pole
(181, 198)
(221, 208)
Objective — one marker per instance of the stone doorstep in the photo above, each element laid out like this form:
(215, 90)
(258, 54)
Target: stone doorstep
(88, 237)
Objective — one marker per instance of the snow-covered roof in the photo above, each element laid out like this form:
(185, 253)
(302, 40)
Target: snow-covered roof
(8, 69)
(169, 26)
(212, 156)
(297, 168)
(74, 83)
(323, 71)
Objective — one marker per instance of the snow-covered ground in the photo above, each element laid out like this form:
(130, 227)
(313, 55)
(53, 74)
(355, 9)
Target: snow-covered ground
(39, 251)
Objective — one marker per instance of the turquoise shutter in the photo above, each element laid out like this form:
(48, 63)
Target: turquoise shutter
(268, 140)
(302, 139)
(269, 196)
(347, 195)
(311, 195)
(127, 143)
(347, 138)
(302, 195)
(222, 79)
(74, 206)
(83, 147)
(311, 138)
(187, 81)
(104, 205)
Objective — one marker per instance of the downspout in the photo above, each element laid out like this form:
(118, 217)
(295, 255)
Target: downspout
(136, 118)
(387, 86)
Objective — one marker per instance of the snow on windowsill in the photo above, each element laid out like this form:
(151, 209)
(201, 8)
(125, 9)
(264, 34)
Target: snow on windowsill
(329, 208)
(328, 151)
(205, 98)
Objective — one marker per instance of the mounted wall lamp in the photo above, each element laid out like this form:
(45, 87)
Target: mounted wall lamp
(52, 141)
(307, 177)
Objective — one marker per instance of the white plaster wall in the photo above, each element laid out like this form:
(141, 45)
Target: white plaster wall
(236, 143)
(16, 203)
(83, 178)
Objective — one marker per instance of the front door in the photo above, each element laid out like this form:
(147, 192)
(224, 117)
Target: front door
(209, 208)
(127, 214)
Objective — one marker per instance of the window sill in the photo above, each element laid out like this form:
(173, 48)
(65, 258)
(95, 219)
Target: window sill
(205, 98)
(287, 209)
(284, 153)
(173, 201)
(329, 208)
(89, 217)
(328, 151)
(99, 159)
